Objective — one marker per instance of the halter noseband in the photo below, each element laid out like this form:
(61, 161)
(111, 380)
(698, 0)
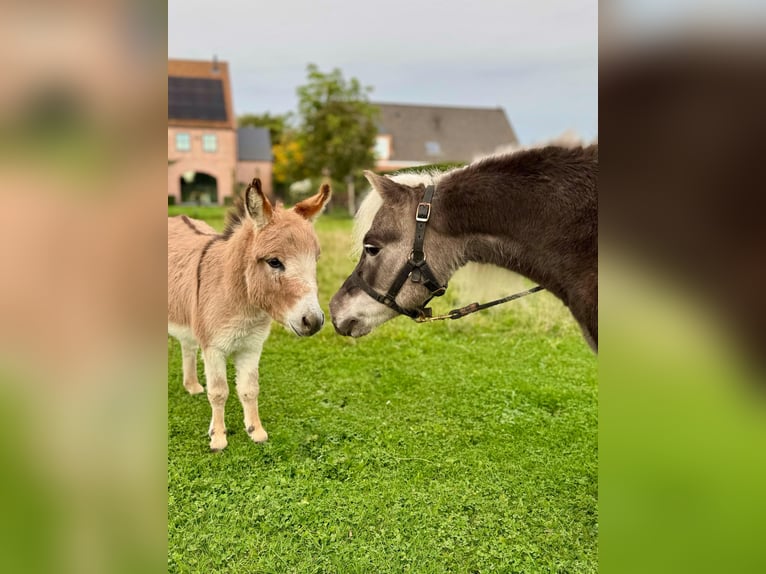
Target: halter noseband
(416, 268)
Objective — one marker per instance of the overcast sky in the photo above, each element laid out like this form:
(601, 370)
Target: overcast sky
(537, 59)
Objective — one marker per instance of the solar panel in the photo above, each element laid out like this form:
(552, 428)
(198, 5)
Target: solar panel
(196, 99)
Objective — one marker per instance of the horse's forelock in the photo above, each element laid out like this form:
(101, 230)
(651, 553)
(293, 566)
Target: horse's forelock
(372, 203)
(363, 220)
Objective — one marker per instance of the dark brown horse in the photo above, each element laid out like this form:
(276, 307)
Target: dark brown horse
(534, 212)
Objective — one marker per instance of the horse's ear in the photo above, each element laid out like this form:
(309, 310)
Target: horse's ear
(386, 187)
(257, 205)
(311, 208)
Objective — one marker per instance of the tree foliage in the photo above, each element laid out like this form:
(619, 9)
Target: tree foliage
(288, 161)
(337, 124)
(334, 129)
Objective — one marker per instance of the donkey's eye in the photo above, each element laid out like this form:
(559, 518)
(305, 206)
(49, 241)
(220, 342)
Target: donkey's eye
(275, 263)
(371, 250)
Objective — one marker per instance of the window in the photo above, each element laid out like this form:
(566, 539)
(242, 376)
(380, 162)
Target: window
(210, 142)
(383, 147)
(433, 148)
(183, 142)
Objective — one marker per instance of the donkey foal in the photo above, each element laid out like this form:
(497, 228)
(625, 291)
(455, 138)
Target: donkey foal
(225, 289)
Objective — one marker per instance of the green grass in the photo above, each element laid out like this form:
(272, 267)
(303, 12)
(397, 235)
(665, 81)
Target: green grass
(466, 446)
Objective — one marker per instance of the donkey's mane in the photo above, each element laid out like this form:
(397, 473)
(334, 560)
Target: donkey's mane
(234, 217)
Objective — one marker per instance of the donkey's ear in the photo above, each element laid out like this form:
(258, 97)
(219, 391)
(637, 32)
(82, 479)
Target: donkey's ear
(386, 187)
(257, 205)
(311, 208)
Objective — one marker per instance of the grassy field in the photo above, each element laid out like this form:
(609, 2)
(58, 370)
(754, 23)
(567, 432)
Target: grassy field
(466, 446)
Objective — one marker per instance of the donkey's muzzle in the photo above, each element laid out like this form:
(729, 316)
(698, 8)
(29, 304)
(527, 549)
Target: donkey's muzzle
(311, 324)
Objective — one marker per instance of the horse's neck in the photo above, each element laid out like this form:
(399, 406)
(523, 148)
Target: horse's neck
(521, 224)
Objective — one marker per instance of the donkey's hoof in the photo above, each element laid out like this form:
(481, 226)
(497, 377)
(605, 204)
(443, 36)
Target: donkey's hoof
(258, 434)
(218, 442)
(194, 388)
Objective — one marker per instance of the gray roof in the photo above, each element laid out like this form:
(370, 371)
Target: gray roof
(253, 144)
(438, 133)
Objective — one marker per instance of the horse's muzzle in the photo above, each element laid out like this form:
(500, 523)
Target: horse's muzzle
(345, 327)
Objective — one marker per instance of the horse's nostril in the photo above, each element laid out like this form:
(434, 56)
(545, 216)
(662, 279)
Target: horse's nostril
(343, 326)
(306, 322)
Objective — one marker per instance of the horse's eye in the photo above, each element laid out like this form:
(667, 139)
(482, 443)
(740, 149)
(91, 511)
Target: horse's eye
(371, 250)
(275, 263)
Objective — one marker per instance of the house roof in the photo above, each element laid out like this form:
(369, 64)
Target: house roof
(199, 94)
(253, 144)
(442, 134)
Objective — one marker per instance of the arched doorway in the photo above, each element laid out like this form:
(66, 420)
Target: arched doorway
(199, 188)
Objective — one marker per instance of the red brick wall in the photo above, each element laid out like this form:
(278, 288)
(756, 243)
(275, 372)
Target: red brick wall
(221, 164)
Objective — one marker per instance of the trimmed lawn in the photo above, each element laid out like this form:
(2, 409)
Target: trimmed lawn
(466, 446)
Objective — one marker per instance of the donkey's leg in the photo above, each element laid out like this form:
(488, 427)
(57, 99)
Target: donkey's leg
(247, 390)
(189, 352)
(217, 393)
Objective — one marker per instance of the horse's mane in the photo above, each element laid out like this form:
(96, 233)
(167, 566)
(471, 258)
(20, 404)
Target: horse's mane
(529, 160)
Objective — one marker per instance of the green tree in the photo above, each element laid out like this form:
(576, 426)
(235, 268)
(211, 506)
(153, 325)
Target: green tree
(337, 124)
(277, 124)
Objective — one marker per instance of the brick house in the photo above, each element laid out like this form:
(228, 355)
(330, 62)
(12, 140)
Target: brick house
(203, 140)
(411, 135)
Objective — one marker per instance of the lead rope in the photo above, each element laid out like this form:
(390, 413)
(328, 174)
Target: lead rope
(474, 307)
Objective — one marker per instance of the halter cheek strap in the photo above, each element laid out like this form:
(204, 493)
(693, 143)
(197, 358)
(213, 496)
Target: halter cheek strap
(416, 268)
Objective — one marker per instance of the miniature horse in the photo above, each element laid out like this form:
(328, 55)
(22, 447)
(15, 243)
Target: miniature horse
(224, 290)
(534, 212)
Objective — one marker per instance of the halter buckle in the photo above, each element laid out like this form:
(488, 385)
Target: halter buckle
(423, 213)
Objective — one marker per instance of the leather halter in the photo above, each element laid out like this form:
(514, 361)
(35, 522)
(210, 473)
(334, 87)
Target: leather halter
(416, 268)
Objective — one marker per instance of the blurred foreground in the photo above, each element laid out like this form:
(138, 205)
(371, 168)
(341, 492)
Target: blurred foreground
(682, 425)
(82, 170)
